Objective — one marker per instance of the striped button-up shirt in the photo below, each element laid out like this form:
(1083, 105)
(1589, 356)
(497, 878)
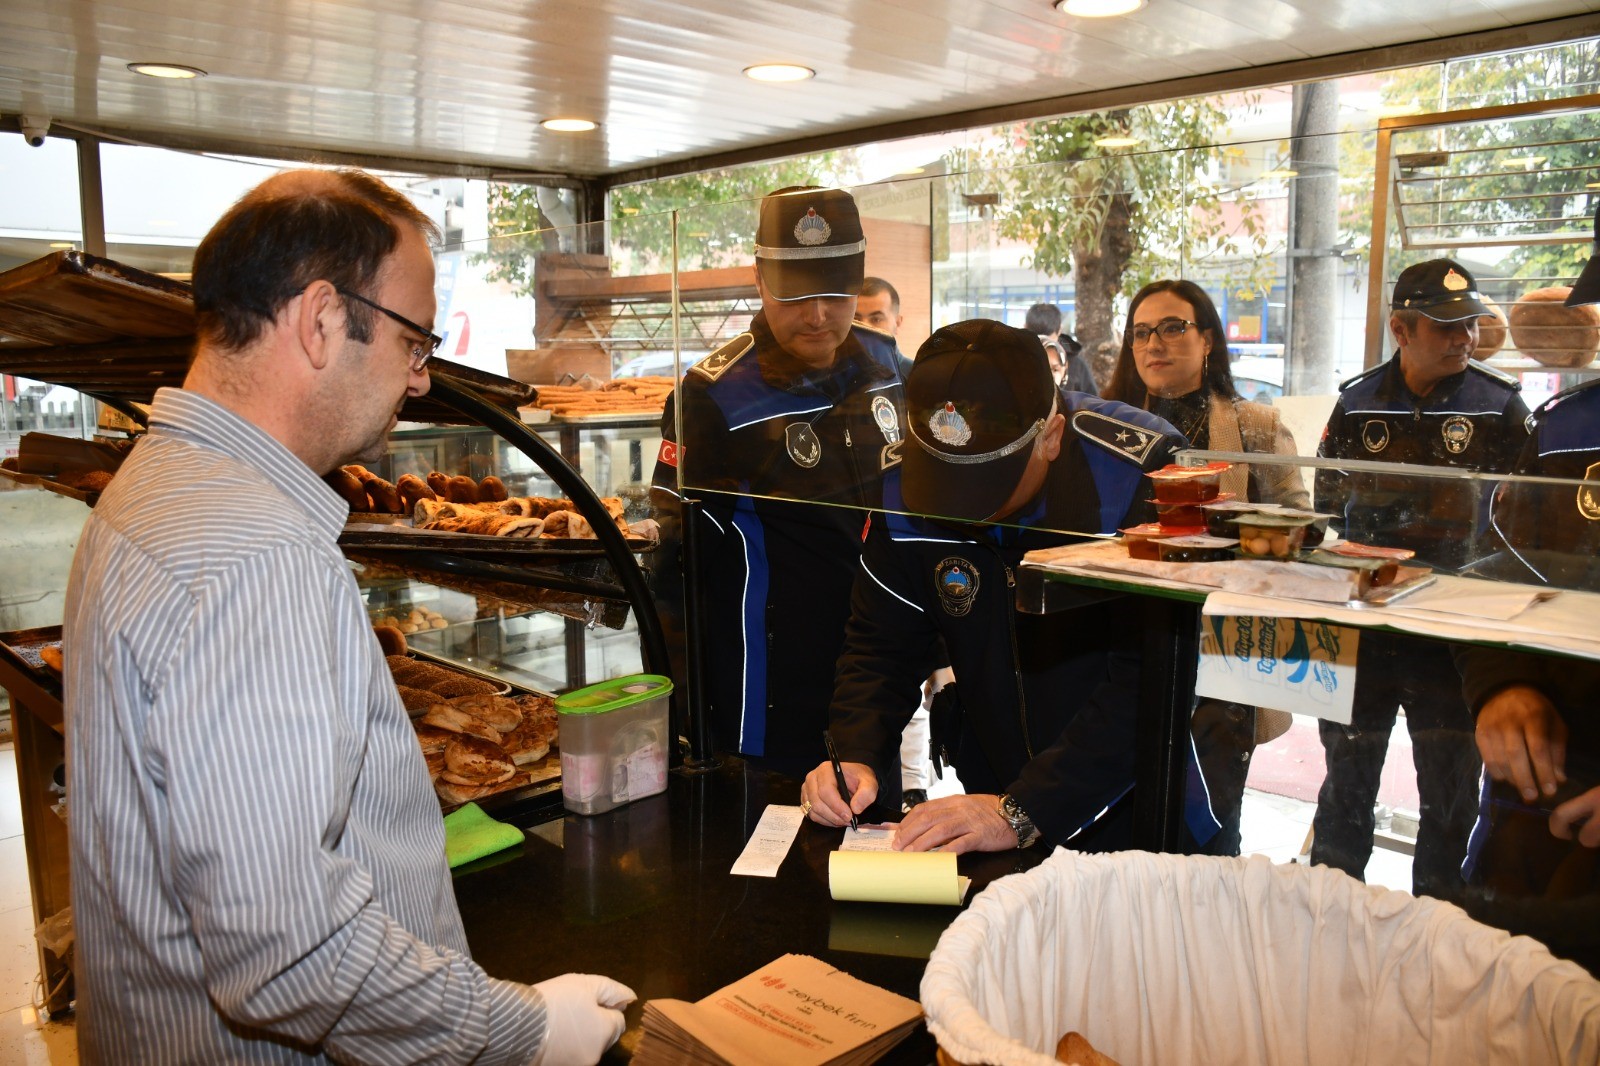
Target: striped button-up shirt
(258, 868)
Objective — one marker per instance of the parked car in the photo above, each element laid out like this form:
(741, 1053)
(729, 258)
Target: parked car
(652, 364)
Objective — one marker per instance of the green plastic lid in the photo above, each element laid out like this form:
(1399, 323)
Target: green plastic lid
(613, 695)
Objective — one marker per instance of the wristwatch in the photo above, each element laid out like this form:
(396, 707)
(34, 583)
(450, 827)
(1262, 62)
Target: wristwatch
(1021, 824)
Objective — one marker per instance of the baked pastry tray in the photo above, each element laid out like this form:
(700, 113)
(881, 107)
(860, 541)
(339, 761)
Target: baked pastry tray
(43, 482)
(400, 535)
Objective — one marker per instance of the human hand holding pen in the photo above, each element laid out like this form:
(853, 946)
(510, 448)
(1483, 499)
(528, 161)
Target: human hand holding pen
(820, 798)
(838, 775)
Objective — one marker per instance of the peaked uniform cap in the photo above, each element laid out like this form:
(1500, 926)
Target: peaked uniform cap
(809, 243)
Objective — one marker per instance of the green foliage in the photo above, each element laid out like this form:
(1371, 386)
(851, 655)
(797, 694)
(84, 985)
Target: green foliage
(1057, 189)
(1486, 190)
(716, 218)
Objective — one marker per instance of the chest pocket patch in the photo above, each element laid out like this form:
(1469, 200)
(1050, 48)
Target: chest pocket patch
(804, 447)
(1375, 435)
(1589, 494)
(956, 580)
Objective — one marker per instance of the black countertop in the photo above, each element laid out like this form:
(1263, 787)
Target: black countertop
(643, 894)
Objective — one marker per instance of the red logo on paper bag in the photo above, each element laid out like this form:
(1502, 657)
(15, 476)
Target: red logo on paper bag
(668, 455)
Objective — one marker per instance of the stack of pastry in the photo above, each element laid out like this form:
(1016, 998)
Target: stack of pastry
(624, 396)
(520, 516)
(475, 742)
(367, 492)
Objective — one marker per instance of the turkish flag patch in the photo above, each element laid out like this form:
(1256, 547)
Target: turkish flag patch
(668, 455)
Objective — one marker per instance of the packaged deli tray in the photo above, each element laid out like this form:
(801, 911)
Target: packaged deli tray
(1188, 484)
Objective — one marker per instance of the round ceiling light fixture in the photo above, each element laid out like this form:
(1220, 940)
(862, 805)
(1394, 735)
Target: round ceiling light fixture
(170, 71)
(1280, 172)
(779, 72)
(569, 125)
(1116, 140)
(1098, 9)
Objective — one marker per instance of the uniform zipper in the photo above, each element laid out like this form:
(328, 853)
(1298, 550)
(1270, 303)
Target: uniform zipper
(1016, 663)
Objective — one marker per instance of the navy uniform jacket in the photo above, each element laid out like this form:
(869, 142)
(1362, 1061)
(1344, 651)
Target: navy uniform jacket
(1049, 701)
(1473, 420)
(765, 442)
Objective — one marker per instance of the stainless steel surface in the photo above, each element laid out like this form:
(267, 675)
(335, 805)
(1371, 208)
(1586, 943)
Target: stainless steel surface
(468, 84)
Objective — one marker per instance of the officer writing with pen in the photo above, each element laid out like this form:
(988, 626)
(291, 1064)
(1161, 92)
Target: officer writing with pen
(998, 461)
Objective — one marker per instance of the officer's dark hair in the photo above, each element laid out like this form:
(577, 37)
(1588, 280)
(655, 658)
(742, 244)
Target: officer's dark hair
(295, 228)
(1043, 319)
(871, 286)
(1126, 384)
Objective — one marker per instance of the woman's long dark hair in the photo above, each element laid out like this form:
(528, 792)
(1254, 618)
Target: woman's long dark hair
(1126, 384)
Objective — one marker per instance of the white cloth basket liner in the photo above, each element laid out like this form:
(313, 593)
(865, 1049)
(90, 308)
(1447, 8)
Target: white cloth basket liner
(1164, 959)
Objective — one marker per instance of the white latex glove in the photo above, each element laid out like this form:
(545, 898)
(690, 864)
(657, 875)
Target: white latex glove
(583, 1017)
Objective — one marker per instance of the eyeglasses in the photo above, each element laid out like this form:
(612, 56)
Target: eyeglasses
(1170, 329)
(421, 351)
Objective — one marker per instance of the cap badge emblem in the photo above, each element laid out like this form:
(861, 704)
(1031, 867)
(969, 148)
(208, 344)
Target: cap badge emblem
(883, 413)
(1375, 435)
(1453, 281)
(812, 228)
(802, 443)
(1457, 432)
(957, 583)
(948, 427)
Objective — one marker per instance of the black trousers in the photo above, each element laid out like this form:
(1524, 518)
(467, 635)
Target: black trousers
(1392, 671)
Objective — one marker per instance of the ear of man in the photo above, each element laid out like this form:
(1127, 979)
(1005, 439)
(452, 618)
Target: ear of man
(317, 316)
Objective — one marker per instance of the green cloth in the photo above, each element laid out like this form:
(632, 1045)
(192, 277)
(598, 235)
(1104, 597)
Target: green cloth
(470, 834)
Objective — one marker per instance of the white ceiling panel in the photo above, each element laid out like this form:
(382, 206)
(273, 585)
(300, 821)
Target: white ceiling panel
(466, 83)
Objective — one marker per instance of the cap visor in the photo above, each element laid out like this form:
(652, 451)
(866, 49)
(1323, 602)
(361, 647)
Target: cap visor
(1456, 309)
(806, 280)
(1586, 290)
(971, 493)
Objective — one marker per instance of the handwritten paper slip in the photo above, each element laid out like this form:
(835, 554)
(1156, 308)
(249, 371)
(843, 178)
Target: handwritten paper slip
(765, 850)
(897, 877)
(868, 838)
(796, 1010)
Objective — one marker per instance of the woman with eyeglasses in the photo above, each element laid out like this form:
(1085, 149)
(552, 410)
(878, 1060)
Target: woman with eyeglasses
(1174, 364)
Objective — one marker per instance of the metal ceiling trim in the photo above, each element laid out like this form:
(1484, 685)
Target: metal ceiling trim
(1390, 57)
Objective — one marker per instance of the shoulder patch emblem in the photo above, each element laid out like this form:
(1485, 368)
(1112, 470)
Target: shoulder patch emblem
(956, 580)
(1375, 435)
(1134, 443)
(716, 364)
(1457, 432)
(886, 418)
(804, 447)
(1589, 494)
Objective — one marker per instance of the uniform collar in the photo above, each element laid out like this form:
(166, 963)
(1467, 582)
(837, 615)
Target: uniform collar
(1395, 387)
(851, 362)
(190, 416)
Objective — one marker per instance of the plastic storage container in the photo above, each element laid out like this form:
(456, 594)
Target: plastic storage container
(614, 742)
(1234, 962)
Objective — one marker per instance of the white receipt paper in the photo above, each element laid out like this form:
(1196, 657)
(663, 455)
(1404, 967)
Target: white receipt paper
(765, 850)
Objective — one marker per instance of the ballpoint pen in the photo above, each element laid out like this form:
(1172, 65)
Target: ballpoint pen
(838, 774)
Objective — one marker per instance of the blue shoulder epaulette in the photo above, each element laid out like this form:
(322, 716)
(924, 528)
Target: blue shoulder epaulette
(1364, 375)
(714, 365)
(1122, 436)
(1499, 376)
(879, 346)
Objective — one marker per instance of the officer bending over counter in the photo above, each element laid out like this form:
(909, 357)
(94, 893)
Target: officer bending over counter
(1044, 731)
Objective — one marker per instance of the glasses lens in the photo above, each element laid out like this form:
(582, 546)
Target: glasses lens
(1173, 330)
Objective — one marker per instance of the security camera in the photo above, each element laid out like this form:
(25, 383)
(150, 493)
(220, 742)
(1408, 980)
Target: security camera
(34, 128)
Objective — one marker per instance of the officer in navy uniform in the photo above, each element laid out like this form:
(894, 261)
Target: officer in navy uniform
(1043, 734)
(1429, 405)
(787, 430)
(1534, 867)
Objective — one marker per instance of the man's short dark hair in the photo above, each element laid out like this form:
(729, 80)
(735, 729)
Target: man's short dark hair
(292, 229)
(1043, 319)
(871, 286)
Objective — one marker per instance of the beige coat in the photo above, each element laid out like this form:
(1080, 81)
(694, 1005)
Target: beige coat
(1242, 426)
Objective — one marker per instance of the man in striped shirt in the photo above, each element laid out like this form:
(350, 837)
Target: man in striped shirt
(257, 857)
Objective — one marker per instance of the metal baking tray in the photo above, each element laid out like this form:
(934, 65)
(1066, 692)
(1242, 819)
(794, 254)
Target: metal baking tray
(397, 535)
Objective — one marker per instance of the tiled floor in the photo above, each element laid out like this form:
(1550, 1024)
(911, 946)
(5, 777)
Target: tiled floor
(25, 1040)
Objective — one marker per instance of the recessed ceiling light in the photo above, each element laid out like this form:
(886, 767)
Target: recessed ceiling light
(166, 70)
(1098, 9)
(1279, 172)
(1530, 161)
(1593, 185)
(62, 244)
(569, 125)
(779, 72)
(909, 171)
(1120, 140)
